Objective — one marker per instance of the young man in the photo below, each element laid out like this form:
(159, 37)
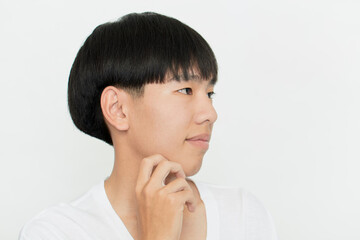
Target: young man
(144, 85)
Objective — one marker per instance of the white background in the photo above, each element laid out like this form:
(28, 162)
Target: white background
(288, 99)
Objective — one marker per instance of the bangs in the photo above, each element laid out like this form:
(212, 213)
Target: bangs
(143, 48)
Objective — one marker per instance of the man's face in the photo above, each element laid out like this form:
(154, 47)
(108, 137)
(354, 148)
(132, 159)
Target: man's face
(167, 115)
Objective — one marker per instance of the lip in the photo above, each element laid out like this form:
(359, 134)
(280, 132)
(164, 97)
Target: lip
(203, 137)
(199, 143)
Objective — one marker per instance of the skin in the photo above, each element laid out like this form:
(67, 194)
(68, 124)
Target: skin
(158, 123)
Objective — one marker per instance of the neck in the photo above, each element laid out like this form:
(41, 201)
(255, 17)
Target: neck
(120, 186)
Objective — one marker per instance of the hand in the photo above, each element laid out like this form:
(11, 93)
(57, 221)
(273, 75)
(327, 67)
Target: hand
(160, 206)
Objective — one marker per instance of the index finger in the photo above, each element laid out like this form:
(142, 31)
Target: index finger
(146, 168)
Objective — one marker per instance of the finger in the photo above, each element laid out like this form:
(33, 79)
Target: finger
(146, 167)
(179, 184)
(187, 198)
(163, 169)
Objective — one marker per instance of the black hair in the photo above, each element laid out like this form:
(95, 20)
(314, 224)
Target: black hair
(135, 50)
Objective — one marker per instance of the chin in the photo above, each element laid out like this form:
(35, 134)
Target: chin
(192, 164)
(191, 170)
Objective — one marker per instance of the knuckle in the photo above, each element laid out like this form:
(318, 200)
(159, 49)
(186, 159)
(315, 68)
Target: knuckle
(182, 181)
(188, 194)
(147, 191)
(172, 200)
(145, 161)
(161, 192)
(159, 155)
(191, 192)
(137, 190)
(178, 165)
(164, 164)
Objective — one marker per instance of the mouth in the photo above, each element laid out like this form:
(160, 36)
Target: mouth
(203, 144)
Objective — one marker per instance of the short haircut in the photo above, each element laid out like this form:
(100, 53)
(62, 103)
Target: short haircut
(135, 50)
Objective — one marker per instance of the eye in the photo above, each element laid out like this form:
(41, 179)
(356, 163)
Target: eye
(185, 88)
(211, 95)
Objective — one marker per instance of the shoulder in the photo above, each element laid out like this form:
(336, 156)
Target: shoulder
(226, 195)
(259, 223)
(43, 225)
(56, 221)
(244, 207)
(251, 204)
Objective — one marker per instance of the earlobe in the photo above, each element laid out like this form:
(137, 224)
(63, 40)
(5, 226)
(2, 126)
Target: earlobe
(114, 109)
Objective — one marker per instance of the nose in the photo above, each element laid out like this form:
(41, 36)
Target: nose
(206, 111)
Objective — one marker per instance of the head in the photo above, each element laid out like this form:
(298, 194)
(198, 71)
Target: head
(125, 82)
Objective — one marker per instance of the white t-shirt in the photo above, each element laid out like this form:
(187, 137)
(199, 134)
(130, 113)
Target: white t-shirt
(231, 213)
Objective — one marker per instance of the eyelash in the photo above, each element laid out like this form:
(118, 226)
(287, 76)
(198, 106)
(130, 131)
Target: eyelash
(212, 93)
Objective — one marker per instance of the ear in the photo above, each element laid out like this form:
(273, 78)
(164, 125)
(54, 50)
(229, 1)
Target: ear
(114, 106)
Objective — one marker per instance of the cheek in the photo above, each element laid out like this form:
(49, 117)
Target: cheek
(166, 129)
(168, 123)
(160, 126)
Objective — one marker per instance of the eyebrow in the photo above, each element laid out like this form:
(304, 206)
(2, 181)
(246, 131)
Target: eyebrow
(194, 78)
